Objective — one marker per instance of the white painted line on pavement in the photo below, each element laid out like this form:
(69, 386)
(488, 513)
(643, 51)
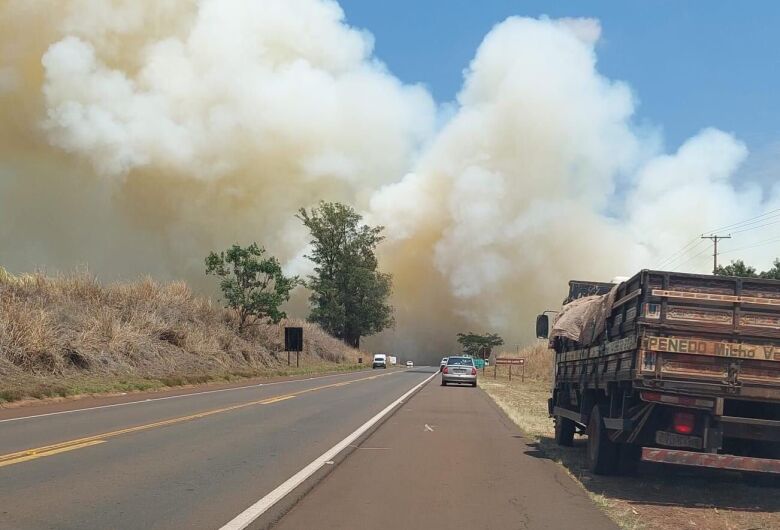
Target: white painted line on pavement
(246, 517)
(149, 400)
(428, 428)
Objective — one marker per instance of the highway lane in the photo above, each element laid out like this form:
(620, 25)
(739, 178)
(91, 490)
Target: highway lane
(18, 433)
(193, 470)
(449, 458)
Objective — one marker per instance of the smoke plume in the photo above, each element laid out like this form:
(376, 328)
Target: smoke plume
(139, 135)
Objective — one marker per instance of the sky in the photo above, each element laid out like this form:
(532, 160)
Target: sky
(491, 147)
(691, 64)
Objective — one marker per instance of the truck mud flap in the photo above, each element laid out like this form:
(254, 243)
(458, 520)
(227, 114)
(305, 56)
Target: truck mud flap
(691, 458)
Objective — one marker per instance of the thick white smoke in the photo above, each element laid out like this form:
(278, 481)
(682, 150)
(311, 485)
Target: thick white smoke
(541, 177)
(139, 135)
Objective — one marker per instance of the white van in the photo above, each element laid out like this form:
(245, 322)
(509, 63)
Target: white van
(380, 361)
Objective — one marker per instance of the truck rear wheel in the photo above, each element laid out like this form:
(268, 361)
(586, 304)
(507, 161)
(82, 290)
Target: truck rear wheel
(602, 452)
(564, 431)
(628, 459)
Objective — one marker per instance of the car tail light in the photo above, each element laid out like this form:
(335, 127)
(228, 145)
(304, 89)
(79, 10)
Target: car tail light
(445, 370)
(473, 371)
(683, 422)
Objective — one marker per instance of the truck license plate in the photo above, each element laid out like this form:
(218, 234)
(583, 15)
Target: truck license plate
(671, 439)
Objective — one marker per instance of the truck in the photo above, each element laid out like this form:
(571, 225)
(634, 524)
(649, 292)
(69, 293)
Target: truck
(380, 361)
(669, 367)
(392, 360)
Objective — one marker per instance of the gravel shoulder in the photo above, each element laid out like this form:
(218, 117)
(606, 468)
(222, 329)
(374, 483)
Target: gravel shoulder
(660, 497)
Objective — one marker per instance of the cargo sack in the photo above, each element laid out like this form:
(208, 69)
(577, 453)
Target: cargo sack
(583, 320)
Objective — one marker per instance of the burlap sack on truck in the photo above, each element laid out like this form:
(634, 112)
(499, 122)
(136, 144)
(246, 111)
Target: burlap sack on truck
(584, 319)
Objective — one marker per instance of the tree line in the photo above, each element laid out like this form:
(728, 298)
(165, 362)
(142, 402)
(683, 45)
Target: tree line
(480, 346)
(349, 294)
(739, 268)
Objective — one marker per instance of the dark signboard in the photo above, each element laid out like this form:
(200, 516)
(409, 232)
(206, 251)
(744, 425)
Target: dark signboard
(293, 339)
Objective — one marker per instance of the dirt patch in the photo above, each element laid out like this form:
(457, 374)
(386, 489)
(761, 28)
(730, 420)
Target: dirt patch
(660, 497)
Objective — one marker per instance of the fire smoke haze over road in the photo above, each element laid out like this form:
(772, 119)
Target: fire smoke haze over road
(139, 135)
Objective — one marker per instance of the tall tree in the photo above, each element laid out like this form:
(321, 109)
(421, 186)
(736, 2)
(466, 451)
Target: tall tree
(349, 294)
(479, 345)
(253, 284)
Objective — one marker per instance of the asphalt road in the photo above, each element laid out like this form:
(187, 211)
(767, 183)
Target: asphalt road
(194, 461)
(447, 459)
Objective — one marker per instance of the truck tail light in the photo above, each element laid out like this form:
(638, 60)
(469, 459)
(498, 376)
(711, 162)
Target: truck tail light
(473, 371)
(683, 422)
(445, 370)
(684, 401)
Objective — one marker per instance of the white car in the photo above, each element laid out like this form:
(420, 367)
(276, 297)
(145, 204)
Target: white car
(409, 364)
(380, 361)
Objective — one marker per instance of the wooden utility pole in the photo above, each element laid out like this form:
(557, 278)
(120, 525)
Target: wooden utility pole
(715, 240)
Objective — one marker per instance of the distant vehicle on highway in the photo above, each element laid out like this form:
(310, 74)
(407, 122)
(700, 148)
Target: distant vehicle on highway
(380, 361)
(443, 363)
(409, 364)
(392, 360)
(459, 370)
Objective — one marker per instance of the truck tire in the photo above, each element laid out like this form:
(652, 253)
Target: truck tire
(564, 431)
(602, 452)
(628, 459)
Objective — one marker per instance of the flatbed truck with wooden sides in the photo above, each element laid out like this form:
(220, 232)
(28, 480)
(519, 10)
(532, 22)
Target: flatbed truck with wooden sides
(671, 368)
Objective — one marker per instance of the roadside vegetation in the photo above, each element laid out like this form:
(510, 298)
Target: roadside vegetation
(479, 346)
(69, 334)
(349, 294)
(740, 268)
(660, 497)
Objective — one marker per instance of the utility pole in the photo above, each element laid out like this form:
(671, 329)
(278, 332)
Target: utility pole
(715, 240)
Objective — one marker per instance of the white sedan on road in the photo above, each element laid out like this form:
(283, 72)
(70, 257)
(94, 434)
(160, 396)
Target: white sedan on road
(459, 370)
(409, 364)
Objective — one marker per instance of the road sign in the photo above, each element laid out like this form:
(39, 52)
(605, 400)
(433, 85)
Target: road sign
(293, 341)
(509, 360)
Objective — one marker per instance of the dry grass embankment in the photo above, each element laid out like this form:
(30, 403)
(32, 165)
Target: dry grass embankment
(660, 497)
(69, 334)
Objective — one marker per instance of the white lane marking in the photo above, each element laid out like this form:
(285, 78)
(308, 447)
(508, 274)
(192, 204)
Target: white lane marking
(148, 400)
(428, 428)
(246, 517)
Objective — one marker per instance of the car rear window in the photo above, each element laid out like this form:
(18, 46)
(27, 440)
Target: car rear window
(460, 361)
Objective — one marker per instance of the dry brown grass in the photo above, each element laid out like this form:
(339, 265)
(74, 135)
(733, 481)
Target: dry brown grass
(538, 362)
(61, 327)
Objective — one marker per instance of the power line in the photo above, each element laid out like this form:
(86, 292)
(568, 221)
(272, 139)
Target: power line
(754, 227)
(759, 244)
(680, 253)
(758, 218)
(690, 259)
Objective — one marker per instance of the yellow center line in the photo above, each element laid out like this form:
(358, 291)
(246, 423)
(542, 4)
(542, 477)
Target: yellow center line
(277, 399)
(33, 456)
(48, 450)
